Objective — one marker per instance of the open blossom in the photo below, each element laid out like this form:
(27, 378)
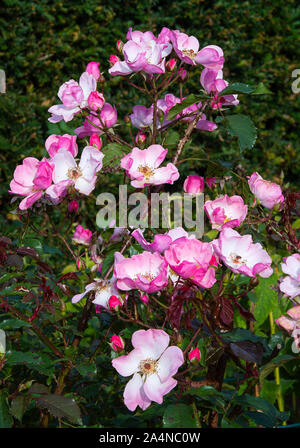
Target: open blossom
(213, 82)
(194, 184)
(102, 289)
(142, 166)
(241, 255)
(142, 117)
(193, 259)
(161, 242)
(74, 97)
(146, 272)
(82, 236)
(152, 364)
(66, 141)
(93, 69)
(268, 193)
(142, 52)
(31, 179)
(108, 118)
(82, 176)
(187, 49)
(290, 285)
(226, 211)
(291, 323)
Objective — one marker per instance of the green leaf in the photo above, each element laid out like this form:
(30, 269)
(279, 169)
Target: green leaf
(267, 300)
(179, 416)
(210, 395)
(60, 407)
(172, 140)
(191, 99)
(275, 362)
(242, 127)
(42, 363)
(258, 403)
(113, 152)
(107, 262)
(13, 324)
(19, 405)
(239, 87)
(6, 420)
(87, 369)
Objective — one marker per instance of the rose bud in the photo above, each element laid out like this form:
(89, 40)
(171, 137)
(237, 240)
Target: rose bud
(117, 343)
(183, 75)
(82, 236)
(73, 206)
(140, 138)
(211, 182)
(96, 141)
(144, 298)
(93, 69)
(113, 59)
(194, 184)
(120, 45)
(194, 355)
(114, 303)
(96, 101)
(170, 65)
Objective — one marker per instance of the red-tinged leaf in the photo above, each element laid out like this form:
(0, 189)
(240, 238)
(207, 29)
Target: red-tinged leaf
(26, 251)
(45, 266)
(226, 312)
(69, 276)
(243, 312)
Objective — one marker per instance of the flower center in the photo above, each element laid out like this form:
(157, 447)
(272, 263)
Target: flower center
(74, 173)
(237, 259)
(146, 171)
(148, 276)
(148, 367)
(189, 53)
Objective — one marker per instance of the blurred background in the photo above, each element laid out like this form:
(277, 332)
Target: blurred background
(45, 43)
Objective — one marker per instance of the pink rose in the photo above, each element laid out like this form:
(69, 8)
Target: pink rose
(103, 290)
(152, 364)
(290, 285)
(95, 101)
(268, 193)
(93, 69)
(291, 323)
(142, 166)
(117, 343)
(194, 184)
(95, 141)
(194, 355)
(190, 258)
(82, 236)
(161, 241)
(227, 211)
(241, 256)
(146, 272)
(66, 141)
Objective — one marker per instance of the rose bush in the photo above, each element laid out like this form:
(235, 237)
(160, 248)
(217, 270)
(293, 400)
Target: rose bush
(210, 298)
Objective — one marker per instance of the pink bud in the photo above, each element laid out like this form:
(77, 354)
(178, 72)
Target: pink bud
(113, 59)
(95, 141)
(82, 236)
(93, 69)
(80, 264)
(170, 65)
(117, 343)
(144, 298)
(73, 206)
(194, 355)
(120, 45)
(114, 302)
(194, 184)
(140, 138)
(211, 182)
(98, 309)
(96, 100)
(183, 74)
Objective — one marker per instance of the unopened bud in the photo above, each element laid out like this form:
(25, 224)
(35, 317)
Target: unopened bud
(127, 120)
(170, 65)
(95, 141)
(73, 206)
(144, 298)
(140, 138)
(194, 355)
(96, 100)
(117, 343)
(113, 59)
(114, 303)
(183, 74)
(120, 45)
